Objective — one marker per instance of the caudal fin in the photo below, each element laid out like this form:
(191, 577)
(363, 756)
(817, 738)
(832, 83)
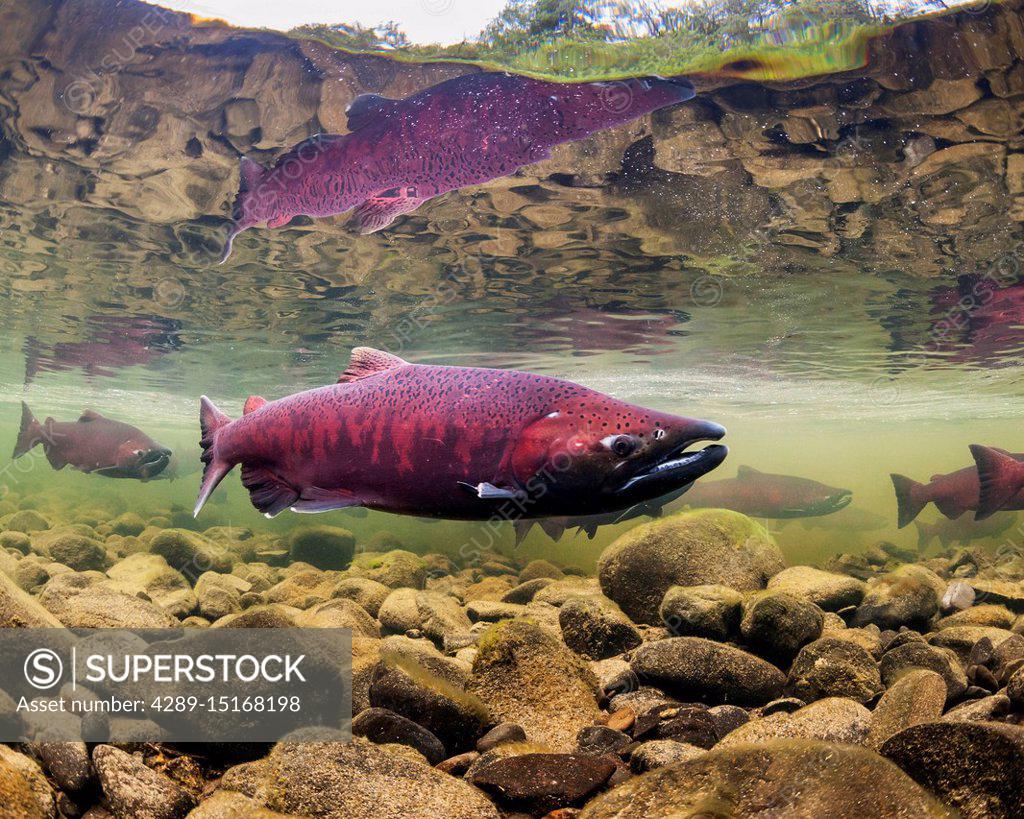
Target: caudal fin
(29, 434)
(211, 421)
(909, 502)
(249, 175)
(1000, 477)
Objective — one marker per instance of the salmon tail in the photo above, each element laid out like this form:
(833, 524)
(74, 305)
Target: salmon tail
(211, 421)
(909, 502)
(249, 176)
(1000, 477)
(30, 433)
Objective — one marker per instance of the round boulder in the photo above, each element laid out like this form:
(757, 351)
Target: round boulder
(706, 546)
(782, 777)
(326, 547)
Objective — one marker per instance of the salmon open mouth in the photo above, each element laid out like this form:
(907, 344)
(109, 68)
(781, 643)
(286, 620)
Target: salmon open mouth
(679, 468)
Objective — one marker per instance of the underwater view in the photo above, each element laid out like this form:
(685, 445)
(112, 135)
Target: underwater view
(639, 383)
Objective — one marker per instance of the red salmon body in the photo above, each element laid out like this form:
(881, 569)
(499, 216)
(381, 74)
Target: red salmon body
(764, 495)
(93, 444)
(464, 131)
(452, 442)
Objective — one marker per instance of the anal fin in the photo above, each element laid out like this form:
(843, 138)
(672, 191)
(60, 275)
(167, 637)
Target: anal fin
(378, 212)
(314, 499)
(268, 492)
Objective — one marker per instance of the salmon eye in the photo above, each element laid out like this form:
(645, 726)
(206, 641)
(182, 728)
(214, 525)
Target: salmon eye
(658, 434)
(623, 445)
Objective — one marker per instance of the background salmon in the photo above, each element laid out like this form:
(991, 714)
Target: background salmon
(1000, 480)
(93, 444)
(465, 131)
(953, 493)
(452, 442)
(764, 495)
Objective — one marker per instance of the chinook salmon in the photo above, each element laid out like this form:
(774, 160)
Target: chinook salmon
(963, 530)
(953, 493)
(766, 495)
(93, 444)
(465, 131)
(452, 442)
(1000, 481)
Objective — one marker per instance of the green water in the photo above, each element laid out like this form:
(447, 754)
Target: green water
(820, 340)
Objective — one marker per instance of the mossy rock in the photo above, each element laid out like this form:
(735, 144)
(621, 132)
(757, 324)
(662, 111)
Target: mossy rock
(27, 520)
(702, 547)
(190, 553)
(326, 547)
(80, 553)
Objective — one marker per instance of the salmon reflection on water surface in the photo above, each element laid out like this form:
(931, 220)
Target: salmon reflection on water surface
(452, 442)
(465, 131)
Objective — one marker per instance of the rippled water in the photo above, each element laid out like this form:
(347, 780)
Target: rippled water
(820, 297)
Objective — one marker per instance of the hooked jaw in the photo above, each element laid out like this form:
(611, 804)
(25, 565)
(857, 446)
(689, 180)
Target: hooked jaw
(677, 467)
(153, 461)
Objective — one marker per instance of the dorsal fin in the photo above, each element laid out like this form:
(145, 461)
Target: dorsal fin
(253, 403)
(747, 472)
(368, 361)
(367, 107)
(89, 415)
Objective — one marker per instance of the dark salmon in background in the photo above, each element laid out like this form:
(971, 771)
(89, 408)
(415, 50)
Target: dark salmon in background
(465, 131)
(953, 493)
(452, 442)
(93, 444)
(766, 495)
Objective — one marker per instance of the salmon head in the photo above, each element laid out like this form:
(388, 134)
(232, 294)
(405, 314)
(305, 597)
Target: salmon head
(599, 454)
(584, 108)
(141, 459)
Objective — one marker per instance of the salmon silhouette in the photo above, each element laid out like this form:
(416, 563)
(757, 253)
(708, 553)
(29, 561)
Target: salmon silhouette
(766, 495)
(465, 131)
(963, 530)
(953, 493)
(93, 444)
(1000, 481)
(452, 442)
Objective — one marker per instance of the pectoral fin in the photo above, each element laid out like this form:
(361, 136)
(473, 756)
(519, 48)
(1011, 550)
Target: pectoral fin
(314, 499)
(380, 211)
(488, 491)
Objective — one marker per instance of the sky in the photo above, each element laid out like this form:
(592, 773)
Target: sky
(424, 21)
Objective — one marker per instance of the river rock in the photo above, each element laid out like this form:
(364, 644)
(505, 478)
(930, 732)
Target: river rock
(367, 593)
(779, 778)
(20, 610)
(827, 590)
(134, 791)
(430, 690)
(710, 611)
(382, 726)
(219, 595)
(79, 552)
(975, 767)
(596, 627)
(524, 674)
(231, 805)
(539, 783)
(395, 569)
(917, 696)
(921, 655)
(833, 667)
(776, 624)
(833, 719)
(24, 791)
(692, 668)
(657, 753)
(326, 547)
(436, 615)
(84, 600)
(540, 568)
(151, 575)
(339, 613)
(190, 553)
(908, 596)
(706, 546)
(357, 778)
